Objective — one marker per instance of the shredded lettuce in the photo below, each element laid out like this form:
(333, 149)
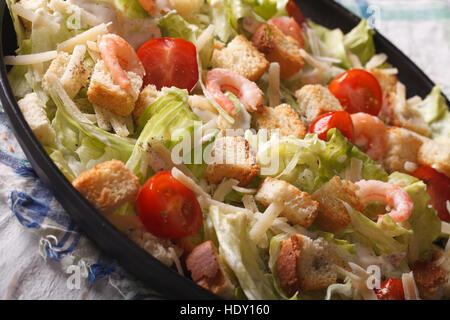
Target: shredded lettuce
(81, 146)
(424, 222)
(267, 9)
(360, 41)
(435, 112)
(334, 40)
(370, 234)
(169, 119)
(242, 255)
(310, 162)
(173, 25)
(131, 8)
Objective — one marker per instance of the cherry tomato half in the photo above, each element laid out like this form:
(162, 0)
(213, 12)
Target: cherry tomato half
(295, 12)
(169, 62)
(358, 91)
(167, 208)
(338, 119)
(290, 28)
(438, 188)
(391, 289)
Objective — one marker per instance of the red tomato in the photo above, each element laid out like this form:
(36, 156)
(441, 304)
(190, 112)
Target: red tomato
(391, 289)
(338, 119)
(167, 208)
(295, 12)
(438, 187)
(358, 91)
(169, 62)
(290, 28)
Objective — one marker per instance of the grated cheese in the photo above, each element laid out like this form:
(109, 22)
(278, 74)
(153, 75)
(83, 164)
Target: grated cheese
(224, 188)
(264, 222)
(89, 35)
(376, 61)
(30, 59)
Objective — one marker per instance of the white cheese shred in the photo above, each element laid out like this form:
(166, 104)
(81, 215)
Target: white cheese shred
(265, 221)
(30, 59)
(82, 38)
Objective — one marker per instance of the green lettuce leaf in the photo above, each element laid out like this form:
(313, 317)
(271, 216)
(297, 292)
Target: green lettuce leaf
(242, 255)
(360, 41)
(81, 146)
(131, 8)
(310, 162)
(334, 40)
(169, 119)
(424, 222)
(368, 233)
(267, 9)
(435, 112)
(173, 25)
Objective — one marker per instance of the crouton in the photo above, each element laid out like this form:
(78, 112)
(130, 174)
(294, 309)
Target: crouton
(305, 264)
(388, 82)
(70, 70)
(206, 268)
(103, 92)
(278, 47)
(436, 155)
(428, 277)
(162, 249)
(282, 118)
(108, 185)
(34, 113)
(147, 96)
(333, 215)
(402, 147)
(299, 207)
(315, 100)
(232, 158)
(242, 57)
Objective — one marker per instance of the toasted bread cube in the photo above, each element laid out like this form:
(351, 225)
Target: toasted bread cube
(108, 185)
(315, 100)
(305, 264)
(34, 113)
(232, 158)
(242, 57)
(402, 147)
(333, 215)
(103, 92)
(299, 207)
(436, 155)
(70, 70)
(282, 118)
(388, 82)
(278, 47)
(206, 268)
(147, 96)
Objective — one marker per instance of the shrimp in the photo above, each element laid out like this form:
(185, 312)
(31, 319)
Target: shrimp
(388, 193)
(370, 134)
(119, 58)
(247, 91)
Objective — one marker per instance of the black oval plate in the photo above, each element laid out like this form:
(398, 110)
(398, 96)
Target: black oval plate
(156, 275)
